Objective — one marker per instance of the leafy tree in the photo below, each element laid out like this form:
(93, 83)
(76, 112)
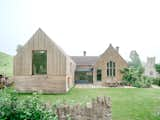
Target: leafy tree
(157, 66)
(129, 75)
(19, 47)
(135, 60)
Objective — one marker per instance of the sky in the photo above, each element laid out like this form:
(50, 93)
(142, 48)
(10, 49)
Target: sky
(78, 25)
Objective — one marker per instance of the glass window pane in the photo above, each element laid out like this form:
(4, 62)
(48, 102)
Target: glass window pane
(110, 74)
(111, 64)
(114, 72)
(111, 68)
(107, 72)
(39, 62)
(108, 65)
(114, 64)
(99, 75)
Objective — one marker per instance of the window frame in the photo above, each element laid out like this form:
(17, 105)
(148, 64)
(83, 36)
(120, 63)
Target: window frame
(33, 73)
(111, 69)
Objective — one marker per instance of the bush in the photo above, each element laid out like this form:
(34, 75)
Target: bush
(143, 82)
(29, 109)
(156, 81)
(128, 75)
(134, 76)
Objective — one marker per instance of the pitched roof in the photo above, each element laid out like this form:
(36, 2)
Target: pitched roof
(85, 60)
(111, 48)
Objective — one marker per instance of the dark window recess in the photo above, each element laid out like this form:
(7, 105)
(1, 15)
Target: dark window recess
(39, 62)
(99, 75)
(111, 69)
(107, 64)
(107, 71)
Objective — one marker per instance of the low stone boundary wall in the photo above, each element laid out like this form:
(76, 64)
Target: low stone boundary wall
(98, 109)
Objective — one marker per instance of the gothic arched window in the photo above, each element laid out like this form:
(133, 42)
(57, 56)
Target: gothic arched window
(111, 69)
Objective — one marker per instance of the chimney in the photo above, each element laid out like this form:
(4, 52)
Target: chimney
(117, 49)
(84, 53)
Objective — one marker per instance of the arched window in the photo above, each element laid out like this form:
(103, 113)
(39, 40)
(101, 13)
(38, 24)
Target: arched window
(111, 69)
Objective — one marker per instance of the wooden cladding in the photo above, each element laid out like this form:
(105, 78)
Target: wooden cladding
(56, 58)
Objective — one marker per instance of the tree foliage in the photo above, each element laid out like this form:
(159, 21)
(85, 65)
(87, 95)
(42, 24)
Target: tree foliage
(19, 47)
(157, 66)
(135, 60)
(133, 76)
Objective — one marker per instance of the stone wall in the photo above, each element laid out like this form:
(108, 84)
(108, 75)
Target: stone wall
(98, 109)
(111, 54)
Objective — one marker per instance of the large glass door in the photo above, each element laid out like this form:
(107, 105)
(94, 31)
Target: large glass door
(84, 77)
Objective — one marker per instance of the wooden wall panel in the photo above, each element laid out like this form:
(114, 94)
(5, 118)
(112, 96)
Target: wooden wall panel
(38, 41)
(56, 59)
(52, 84)
(24, 61)
(60, 64)
(30, 47)
(64, 64)
(53, 61)
(56, 66)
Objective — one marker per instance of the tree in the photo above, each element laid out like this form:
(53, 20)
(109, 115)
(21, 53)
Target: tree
(157, 66)
(130, 75)
(134, 77)
(19, 47)
(135, 60)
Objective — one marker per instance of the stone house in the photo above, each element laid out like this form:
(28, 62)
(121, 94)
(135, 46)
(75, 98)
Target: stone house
(41, 65)
(103, 69)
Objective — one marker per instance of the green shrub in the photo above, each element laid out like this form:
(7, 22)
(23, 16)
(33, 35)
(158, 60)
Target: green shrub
(29, 109)
(156, 81)
(128, 75)
(143, 82)
(134, 76)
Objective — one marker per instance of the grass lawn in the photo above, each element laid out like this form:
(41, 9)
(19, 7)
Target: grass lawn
(6, 64)
(127, 103)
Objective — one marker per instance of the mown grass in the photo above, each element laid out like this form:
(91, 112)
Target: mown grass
(127, 104)
(6, 64)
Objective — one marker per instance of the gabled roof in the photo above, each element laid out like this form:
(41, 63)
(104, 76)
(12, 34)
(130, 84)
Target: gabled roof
(91, 60)
(45, 38)
(114, 51)
(85, 60)
(40, 31)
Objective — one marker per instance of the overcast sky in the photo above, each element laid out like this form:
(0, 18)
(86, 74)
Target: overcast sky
(78, 25)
